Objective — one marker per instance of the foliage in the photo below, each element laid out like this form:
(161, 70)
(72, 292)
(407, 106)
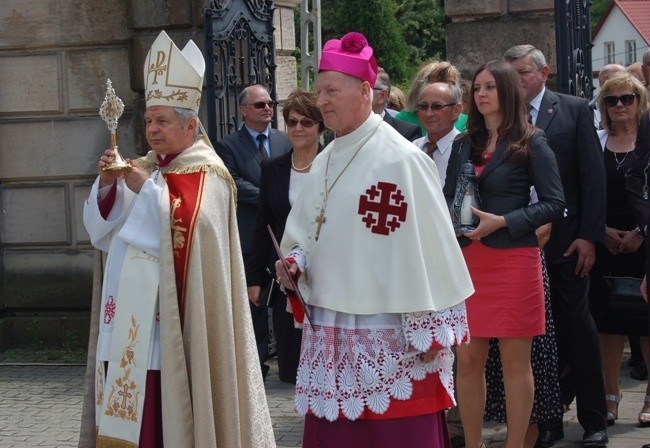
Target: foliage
(403, 33)
(596, 10)
(423, 27)
(377, 21)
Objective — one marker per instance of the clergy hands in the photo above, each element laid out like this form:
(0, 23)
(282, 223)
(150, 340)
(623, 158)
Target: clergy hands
(135, 176)
(254, 294)
(586, 255)
(283, 274)
(488, 224)
(107, 177)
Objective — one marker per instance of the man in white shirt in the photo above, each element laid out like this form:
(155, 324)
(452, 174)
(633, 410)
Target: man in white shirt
(438, 109)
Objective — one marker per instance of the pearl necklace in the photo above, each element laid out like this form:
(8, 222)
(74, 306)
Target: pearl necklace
(300, 170)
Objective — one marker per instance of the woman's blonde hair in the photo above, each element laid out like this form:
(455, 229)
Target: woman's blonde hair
(436, 71)
(620, 81)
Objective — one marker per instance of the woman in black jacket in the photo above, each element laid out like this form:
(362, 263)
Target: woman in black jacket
(281, 179)
(509, 156)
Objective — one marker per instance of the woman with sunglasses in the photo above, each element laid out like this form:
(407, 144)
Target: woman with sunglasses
(622, 100)
(281, 181)
(509, 156)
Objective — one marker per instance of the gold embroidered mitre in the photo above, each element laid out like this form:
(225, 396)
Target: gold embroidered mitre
(173, 77)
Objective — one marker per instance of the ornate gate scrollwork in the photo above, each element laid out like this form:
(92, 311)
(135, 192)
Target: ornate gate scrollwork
(239, 52)
(573, 48)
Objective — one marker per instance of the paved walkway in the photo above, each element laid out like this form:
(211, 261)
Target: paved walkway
(40, 406)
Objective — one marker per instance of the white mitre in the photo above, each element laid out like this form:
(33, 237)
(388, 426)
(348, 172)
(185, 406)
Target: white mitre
(173, 77)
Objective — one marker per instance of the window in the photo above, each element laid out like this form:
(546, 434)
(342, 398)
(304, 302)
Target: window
(609, 52)
(630, 52)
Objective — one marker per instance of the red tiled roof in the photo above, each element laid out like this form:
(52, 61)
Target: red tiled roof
(638, 13)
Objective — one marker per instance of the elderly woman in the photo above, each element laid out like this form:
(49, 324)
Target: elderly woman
(437, 71)
(281, 180)
(622, 100)
(509, 156)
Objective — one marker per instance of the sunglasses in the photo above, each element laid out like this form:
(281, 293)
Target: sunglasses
(435, 107)
(262, 104)
(626, 100)
(305, 122)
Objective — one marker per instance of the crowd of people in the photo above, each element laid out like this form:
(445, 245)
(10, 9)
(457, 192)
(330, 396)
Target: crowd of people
(397, 326)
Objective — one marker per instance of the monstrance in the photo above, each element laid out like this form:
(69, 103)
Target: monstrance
(111, 111)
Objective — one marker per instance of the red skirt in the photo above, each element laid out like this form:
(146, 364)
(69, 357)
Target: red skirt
(509, 291)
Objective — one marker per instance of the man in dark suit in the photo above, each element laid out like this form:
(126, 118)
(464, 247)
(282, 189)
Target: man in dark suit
(242, 152)
(380, 98)
(570, 253)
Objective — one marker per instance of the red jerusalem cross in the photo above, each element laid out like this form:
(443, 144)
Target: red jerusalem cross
(383, 208)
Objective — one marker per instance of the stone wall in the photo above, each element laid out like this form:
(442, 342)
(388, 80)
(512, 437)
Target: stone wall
(482, 30)
(55, 56)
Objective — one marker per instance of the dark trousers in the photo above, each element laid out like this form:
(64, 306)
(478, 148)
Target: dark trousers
(260, 317)
(577, 342)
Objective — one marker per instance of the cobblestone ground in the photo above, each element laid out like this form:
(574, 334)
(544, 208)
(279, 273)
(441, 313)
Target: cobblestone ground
(40, 406)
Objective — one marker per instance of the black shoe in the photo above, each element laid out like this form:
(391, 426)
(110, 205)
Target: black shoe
(595, 438)
(639, 372)
(548, 437)
(265, 370)
(647, 445)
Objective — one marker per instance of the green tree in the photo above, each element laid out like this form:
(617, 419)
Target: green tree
(423, 26)
(375, 19)
(596, 11)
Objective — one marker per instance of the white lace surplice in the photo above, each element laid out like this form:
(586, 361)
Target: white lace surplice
(348, 362)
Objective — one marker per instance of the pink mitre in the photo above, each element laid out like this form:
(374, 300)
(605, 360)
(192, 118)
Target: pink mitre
(350, 55)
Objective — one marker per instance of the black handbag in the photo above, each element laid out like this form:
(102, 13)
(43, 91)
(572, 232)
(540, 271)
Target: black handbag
(623, 299)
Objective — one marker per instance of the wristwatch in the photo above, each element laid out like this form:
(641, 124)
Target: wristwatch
(639, 231)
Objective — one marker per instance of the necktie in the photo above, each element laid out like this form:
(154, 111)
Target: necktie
(530, 115)
(431, 148)
(260, 146)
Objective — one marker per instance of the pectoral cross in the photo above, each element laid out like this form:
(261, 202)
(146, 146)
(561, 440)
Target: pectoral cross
(320, 219)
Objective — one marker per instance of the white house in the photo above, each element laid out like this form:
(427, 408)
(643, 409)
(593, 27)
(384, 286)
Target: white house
(622, 34)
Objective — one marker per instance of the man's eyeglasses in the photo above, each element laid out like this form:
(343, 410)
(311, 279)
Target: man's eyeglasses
(626, 100)
(434, 107)
(305, 122)
(262, 104)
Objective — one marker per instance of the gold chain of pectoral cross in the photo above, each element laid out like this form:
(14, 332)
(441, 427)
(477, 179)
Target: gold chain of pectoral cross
(321, 218)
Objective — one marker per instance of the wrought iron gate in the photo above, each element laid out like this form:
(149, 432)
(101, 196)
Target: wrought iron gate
(239, 52)
(573, 47)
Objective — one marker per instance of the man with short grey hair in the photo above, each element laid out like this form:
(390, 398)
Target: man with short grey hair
(242, 152)
(570, 252)
(438, 109)
(380, 99)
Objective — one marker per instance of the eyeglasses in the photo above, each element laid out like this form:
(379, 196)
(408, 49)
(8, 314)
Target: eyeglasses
(626, 100)
(305, 122)
(262, 104)
(434, 107)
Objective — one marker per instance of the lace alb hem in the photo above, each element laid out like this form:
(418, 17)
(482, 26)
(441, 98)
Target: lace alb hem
(344, 370)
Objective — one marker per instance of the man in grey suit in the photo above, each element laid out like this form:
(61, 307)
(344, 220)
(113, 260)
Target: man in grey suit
(242, 152)
(380, 98)
(570, 252)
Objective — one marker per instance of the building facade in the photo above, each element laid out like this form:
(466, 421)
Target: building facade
(55, 57)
